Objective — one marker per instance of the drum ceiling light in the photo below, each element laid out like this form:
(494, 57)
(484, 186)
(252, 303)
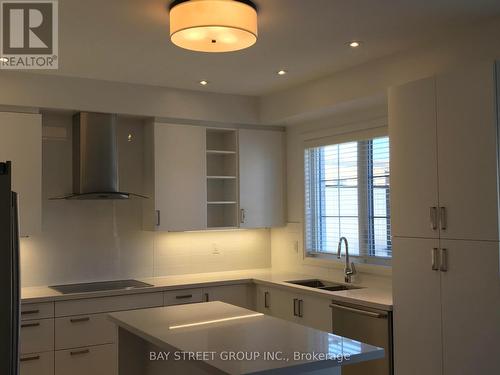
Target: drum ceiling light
(213, 25)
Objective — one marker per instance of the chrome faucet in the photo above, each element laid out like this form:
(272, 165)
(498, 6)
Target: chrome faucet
(349, 268)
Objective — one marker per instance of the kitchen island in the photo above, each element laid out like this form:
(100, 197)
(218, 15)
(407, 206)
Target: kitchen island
(219, 338)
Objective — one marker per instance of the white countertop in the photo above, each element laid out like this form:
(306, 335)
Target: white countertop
(369, 296)
(241, 330)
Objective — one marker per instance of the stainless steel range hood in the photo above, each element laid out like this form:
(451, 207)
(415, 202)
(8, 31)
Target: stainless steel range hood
(95, 158)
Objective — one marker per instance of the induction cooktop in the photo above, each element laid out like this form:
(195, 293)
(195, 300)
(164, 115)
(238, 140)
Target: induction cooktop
(99, 286)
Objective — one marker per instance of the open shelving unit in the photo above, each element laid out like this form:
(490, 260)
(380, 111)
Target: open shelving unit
(222, 178)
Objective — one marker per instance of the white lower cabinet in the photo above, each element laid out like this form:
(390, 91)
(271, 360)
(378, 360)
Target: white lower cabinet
(305, 309)
(93, 360)
(182, 297)
(37, 336)
(238, 295)
(37, 363)
(84, 330)
(446, 319)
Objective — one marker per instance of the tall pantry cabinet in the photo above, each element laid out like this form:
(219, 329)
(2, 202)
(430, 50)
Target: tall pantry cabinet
(444, 207)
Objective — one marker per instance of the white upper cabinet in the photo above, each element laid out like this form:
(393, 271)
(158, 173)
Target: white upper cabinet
(412, 131)
(261, 178)
(21, 143)
(467, 153)
(180, 188)
(444, 156)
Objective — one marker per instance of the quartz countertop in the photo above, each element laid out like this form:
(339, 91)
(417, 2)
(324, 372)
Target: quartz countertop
(220, 328)
(369, 295)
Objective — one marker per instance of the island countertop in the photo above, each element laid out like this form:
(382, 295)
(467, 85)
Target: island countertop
(220, 329)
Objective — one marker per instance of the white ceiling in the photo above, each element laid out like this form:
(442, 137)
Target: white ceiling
(127, 40)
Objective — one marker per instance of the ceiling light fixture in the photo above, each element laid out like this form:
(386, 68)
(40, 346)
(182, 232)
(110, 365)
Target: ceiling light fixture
(203, 83)
(282, 72)
(213, 25)
(354, 43)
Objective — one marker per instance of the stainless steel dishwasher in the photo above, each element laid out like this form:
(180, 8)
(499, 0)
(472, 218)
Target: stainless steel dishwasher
(371, 326)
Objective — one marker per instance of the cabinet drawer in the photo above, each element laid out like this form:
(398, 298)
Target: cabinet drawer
(179, 297)
(37, 364)
(37, 310)
(37, 336)
(84, 330)
(92, 360)
(108, 304)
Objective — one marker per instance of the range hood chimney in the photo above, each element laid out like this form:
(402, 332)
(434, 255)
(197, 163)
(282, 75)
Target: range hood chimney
(95, 158)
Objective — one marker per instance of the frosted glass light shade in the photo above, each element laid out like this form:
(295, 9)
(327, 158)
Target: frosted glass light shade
(213, 25)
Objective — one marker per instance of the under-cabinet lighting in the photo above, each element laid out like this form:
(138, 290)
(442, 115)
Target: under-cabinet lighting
(205, 322)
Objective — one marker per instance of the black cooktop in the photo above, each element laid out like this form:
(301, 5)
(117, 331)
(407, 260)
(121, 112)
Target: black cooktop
(100, 286)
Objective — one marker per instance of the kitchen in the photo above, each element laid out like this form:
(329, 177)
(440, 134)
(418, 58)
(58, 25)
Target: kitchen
(235, 198)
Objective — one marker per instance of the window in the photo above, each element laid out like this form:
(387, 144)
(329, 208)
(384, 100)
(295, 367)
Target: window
(347, 194)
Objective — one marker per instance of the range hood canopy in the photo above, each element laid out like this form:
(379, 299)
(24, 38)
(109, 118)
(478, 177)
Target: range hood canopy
(95, 158)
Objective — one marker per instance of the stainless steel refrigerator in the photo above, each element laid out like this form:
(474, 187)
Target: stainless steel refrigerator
(9, 274)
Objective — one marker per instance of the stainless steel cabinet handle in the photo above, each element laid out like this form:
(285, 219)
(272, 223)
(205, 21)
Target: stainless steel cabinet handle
(358, 311)
(79, 320)
(158, 218)
(435, 259)
(242, 216)
(207, 297)
(266, 300)
(433, 217)
(79, 352)
(295, 307)
(28, 325)
(185, 296)
(442, 218)
(444, 260)
(31, 358)
(301, 311)
(30, 312)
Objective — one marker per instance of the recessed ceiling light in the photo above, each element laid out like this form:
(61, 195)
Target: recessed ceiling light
(354, 43)
(203, 83)
(3, 59)
(282, 72)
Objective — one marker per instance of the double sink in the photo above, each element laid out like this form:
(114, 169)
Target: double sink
(322, 285)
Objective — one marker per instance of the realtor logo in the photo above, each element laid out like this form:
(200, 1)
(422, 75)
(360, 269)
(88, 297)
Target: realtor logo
(29, 34)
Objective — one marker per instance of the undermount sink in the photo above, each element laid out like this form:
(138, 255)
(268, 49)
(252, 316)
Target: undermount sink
(322, 284)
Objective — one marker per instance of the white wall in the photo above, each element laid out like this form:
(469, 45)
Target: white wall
(287, 243)
(461, 46)
(103, 240)
(65, 93)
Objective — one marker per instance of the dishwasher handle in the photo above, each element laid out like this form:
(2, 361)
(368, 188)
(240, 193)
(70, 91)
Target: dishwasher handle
(371, 314)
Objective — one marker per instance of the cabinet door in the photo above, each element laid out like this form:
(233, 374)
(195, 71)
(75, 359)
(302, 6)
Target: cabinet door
(467, 153)
(471, 308)
(95, 360)
(316, 312)
(37, 364)
(412, 131)
(417, 308)
(180, 183)
(261, 178)
(238, 295)
(21, 143)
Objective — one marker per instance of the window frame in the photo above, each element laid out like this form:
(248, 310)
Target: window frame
(357, 136)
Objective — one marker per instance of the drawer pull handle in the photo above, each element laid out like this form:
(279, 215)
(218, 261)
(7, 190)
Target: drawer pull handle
(32, 358)
(358, 311)
(27, 325)
(184, 296)
(80, 352)
(79, 320)
(30, 312)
